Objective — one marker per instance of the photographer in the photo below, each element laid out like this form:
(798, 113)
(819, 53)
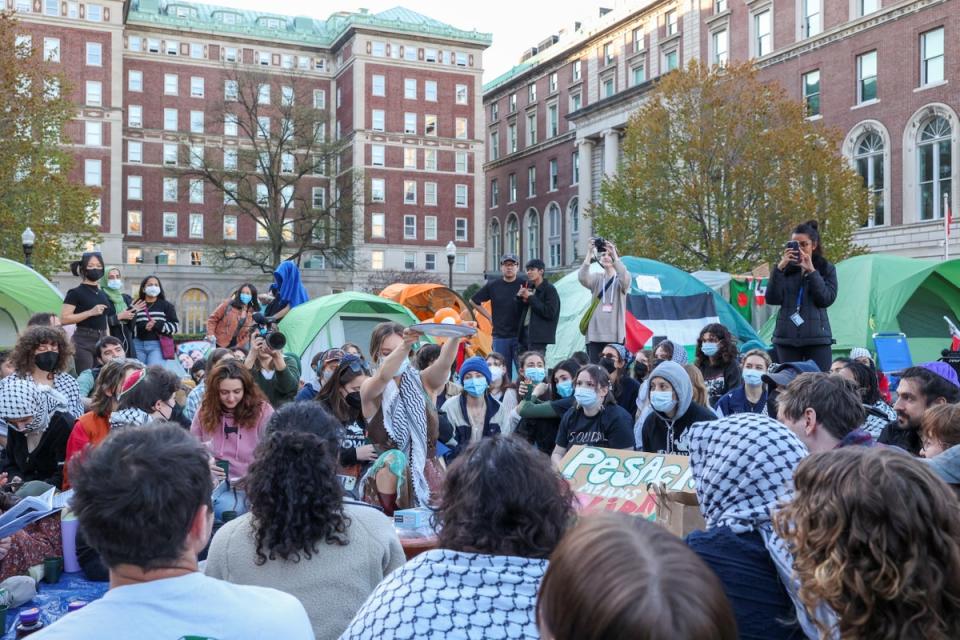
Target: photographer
(606, 323)
(804, 284)
(277, 375)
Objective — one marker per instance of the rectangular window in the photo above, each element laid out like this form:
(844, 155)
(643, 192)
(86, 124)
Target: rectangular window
(409, 89)
(931, 56)
(51, 49)
(811, 19)
(553, 120)
(377, 155)
(196, 122)
(409, 261)
(196, 50)
(95, 93)
(867, 77)
(554, 175)
(319, 99)
(93, 133)
(172, 48)
(461, 59)
(377, 120)
(378, 226)
(430, 262)
(460, 195)
(134, 151)
(410, 123)
(720, 41)
(376, 260)
(262, 58)
(318, 198)
(229, 193)
(531, 93)
(719, 6)
(811, 92)
(379, 86)
(639, 75)
(552, 83)
(196, 192)
(135, 81)
(638, 39)
(409, 192)
(196, 225)
(263, 94)
(512, 187)
(378, 190)
(575, 102)
(512, 137)
(153, 45)
(673, 25)
(230, 159)
(430, 227)
(671, 61)
(461, 94)
(170, 119)
(430, 125)
(134, 222)
(230, 124)
(263, 127)
(531, 129)
(94, 54)
(169, 189)
(494, 193)
(531, 182)
(94, 13)
(460, 264)
(868, 6)
(169, 225)
(430, 159)
(575, 164)
(575, 71)
(230, 54)
(512, 103)
(230, 90)
(430, 194)
(73, 10)
(51, 7)
(460, 229)
(494, 145)
(409, 158)
(409, 227)
(170, 84)
(461, 129)
(430, 55)
(610, 87)
(461, 162)
(762, 33)
(229, 227)
(608, 53)
(196, 87)
(92, 173)
(378, 49)
(134, 188)
(170, 155)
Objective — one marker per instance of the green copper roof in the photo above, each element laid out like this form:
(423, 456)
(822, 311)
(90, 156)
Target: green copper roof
(204, 18)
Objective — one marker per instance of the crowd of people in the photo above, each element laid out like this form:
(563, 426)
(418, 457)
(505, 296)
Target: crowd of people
(256, 504)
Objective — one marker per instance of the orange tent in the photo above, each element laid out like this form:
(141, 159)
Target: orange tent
(424, 300)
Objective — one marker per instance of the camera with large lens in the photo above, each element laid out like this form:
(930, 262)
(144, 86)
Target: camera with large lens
(266, 328)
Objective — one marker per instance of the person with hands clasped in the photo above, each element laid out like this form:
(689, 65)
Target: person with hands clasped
(804, 284)
(121, 318)
(156, 322)
(540, 309)
(277, 374)
(608, 320)
(87, 307)
(229, 324)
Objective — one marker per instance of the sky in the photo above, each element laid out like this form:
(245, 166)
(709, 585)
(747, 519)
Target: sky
(516, 25)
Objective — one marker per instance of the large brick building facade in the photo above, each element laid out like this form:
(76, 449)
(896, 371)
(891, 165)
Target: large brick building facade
(882, 72)
(400, 90)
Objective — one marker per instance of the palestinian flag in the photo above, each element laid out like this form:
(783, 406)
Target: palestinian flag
(638, 334)
(680, 318)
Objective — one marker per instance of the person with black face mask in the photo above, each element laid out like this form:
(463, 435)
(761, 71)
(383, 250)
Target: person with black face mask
(616, 359)
(88, 307)
(340, 396)
(42, 355)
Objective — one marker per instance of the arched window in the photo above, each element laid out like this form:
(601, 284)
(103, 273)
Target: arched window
(533, 234)
(193, 311)
(495, 253)
(935, 167)
(573, 225)
(513, 235)
(554, 227)
(868, 156)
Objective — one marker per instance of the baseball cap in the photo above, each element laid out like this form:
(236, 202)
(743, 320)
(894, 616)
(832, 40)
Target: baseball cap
(510, 257)
(783, 374)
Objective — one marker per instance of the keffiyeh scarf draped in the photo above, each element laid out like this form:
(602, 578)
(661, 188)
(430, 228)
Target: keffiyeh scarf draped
(21, 397)
(743, 466)
(405, 420)
(130, 417)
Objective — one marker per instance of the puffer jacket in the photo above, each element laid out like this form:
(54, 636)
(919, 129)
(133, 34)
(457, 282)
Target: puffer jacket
(819, 292)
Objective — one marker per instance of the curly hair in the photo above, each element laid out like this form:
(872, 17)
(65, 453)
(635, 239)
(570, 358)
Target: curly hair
(107, 388)
(727, 352)
(876, 536)
(246, 413)
(30, 340)
(292, 485)
(503, 497)
(866, 378)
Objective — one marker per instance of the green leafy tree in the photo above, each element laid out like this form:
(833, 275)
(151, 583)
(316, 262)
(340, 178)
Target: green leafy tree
(36, 187)
(718, 168)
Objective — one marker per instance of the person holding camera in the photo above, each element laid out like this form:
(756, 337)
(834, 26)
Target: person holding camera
(804, 284)
(539, 311)
(608, 316)
(277, 374)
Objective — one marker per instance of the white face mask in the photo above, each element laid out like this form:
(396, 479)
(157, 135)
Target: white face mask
(116, 285)
(152, 291)
(496, 374)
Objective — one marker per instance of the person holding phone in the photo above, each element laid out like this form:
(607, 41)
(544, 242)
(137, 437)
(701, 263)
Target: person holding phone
(610, 287)
(804, 284)
(539, 310)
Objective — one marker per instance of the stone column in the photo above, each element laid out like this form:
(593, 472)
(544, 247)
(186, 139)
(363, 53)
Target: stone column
(611, 152)
(584, 193)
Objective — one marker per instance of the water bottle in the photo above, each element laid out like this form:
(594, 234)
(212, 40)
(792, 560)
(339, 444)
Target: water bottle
(68, 532)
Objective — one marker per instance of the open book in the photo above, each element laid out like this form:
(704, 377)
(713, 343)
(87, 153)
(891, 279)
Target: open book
(31, 509)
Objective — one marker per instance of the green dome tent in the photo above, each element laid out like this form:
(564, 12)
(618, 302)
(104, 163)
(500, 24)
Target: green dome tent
(23, 292)
(887, 293)
(332, 320)
(668, 301)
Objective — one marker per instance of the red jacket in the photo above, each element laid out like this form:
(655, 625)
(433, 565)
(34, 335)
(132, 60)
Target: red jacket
(90, 429)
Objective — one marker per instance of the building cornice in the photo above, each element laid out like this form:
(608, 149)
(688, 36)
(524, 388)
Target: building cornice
(534, 150)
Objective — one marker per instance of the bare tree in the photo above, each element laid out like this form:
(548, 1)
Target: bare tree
(277, 150)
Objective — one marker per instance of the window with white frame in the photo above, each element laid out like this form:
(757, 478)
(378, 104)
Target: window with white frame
(92, 176)
(575, 102)
(531, 128)
(409, 261)
(169, 224)
(172, 48)
(262, 58)
(409, 89)
(379, 85)
(378, 49)
(429, 55)
(94, 54)
(868, 158)
(229, 227)
(196, 87)
(318, 198)
(134, 187)
(719, 6)
(637, 39)
(409, 53)
(169, 189)
(134, 222)
(230, 124)
(935, 166)
(263, 126)
(377, 120)
(531, 182)
(430, 262)
(93, 133)
(931, 57)
(811, 18)
(319, 99)
(51, 49)
(512, 187)
(196, 122)
(51, 7)
(512, 137)
(229, 193)
(94, 92)
(460, 229)
(460, 195)
(229, 159)
(170, 119)
(24, 46)
(531, 93)
(575, 71)
(494, 193)
(720, 41)
(134, 151)
(170, 154)
(377, 155)
(462, 129)
(134, 81)
(810, 84)
(262, 194)
(230, 54)
(153, 45)
(286, 61)
(410, 123)
(430, 227)
(430, 125)
(553, 233)
(460, 165)
(196, 50)
(73, 10)
(339, 98)
(376, 260)
(494, 145)
(553, 120)
(762, 32)
(671, 60)
(533, 234)
(378, 226)
(263, 94)
(430, 194)
(554, 175)
(866, 77)
(196, 225)
(231, 90)
(409, 158)
(430, 159)
(378, 190)
(170, 84)
(575, 167)
(512, 103)
(461, 95)
(195, 191)
(410, 192)
(461, 263)
(865, 7)
(672, 23)
(286, 96)
(638, 74)
(461, 59)
(94, 13)
(610, 86)
(608, 57)
(409, 227)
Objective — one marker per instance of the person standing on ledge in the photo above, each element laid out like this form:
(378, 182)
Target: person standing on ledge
(505, 316)
(540, 310)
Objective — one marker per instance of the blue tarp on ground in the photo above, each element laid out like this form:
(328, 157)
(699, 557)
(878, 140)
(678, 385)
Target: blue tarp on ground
(53, 599)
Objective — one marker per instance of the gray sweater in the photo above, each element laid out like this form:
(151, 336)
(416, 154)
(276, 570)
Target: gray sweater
(607, 326)
(332, 584)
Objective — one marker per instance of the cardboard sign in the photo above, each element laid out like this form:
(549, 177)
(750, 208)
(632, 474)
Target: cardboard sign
(630, 481)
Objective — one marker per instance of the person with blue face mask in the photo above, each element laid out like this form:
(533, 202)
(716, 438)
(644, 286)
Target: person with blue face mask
(671, 398)
(752, 396)
(540, 416)
(595, 419)
(717, 361)
(228, 327)
(473, 414)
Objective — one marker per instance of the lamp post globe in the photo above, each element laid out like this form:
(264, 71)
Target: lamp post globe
(28, 238)
(451, 257)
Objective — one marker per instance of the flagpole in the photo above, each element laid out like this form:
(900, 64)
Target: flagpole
(946, 227)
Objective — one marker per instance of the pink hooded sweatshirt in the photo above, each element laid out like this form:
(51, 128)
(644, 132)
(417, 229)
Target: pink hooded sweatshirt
(233, 443)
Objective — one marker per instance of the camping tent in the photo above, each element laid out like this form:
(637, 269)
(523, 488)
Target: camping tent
(425, 299)
(332, 320)
(23, 292)
(880, 293)
(668, 301)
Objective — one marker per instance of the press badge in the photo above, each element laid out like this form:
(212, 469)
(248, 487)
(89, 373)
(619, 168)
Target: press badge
(796, 319)
(606, 308)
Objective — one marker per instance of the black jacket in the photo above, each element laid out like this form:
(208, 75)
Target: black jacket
(896, 436)
(46, 461)
(819, 292)
(656, 429)
(544, 307)
(123, 329)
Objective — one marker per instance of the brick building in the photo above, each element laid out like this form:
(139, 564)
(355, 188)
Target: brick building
(882, 72)
(401, 91)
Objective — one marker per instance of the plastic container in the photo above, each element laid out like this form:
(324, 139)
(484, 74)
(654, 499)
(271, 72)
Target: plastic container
(30, 622)
(75, 605)
(68, 531)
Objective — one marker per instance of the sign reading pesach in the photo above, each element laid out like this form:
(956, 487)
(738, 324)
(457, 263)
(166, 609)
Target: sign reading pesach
(617, 480)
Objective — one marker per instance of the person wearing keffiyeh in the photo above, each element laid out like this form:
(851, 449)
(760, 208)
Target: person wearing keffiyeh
(38, 429)
(742, 466)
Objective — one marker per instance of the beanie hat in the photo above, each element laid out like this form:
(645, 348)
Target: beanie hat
(943, 370)
(860, 352)
(476, 363)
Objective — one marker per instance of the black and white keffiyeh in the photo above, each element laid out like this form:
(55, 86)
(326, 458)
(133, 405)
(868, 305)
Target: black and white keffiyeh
(405, 420)
(21, 397)
(129, 417)
(743, 467)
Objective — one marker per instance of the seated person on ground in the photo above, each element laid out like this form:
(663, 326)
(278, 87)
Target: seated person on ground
(824, 411)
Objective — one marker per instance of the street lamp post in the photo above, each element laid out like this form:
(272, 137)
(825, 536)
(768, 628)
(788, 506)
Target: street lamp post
(28, 238)
(451, 256)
